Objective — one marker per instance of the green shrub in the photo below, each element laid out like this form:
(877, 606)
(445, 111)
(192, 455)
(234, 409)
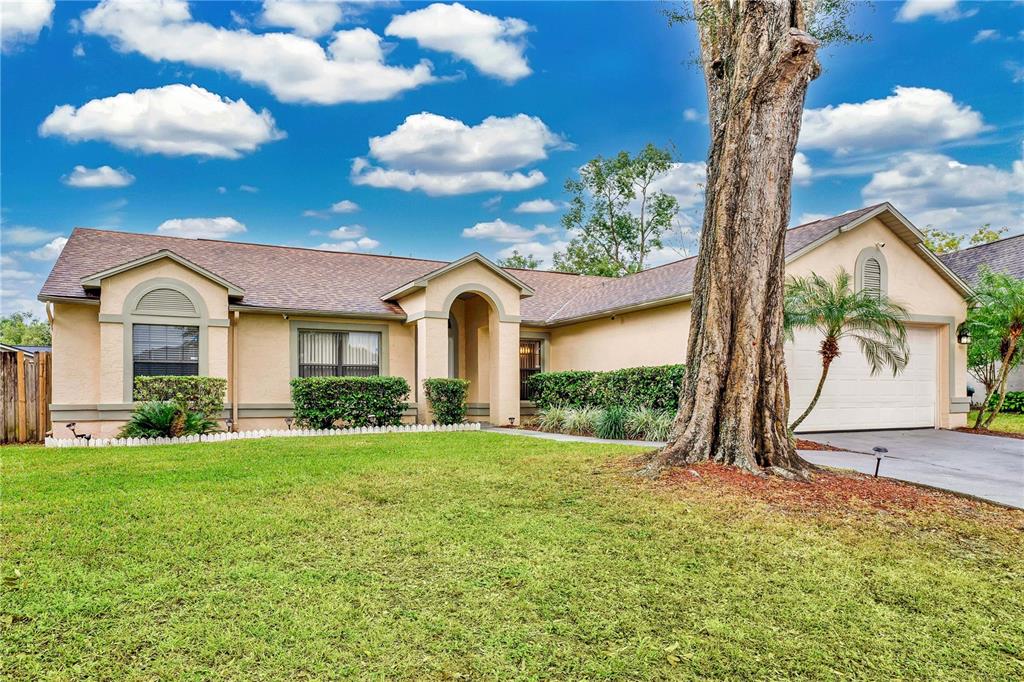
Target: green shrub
(196, 394)
(552, 419)
(631, 388)
(636, 387)
(611, 423)
(165, 419)
(447, 399)
(648, 424)
(320, 402)
(562, 389)
(1014, 401)
(581, 421)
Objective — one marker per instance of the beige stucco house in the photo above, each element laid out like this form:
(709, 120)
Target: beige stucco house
(125, 304)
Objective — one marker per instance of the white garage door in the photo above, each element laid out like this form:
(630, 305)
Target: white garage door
(852, 398)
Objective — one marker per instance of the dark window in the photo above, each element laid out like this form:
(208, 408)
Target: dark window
(165, 350)
(338, 354)
(529, 364)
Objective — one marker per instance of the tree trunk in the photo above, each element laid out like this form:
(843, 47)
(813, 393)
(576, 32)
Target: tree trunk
(825, 364)
(758, 61)
(1004, 372)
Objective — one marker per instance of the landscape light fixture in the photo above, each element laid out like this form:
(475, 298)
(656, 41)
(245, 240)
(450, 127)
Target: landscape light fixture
(511, 421)
(879, 453)
(230, 423)
(288, 421)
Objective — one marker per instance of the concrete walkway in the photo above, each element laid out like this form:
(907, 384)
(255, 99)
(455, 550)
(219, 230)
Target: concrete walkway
(989, 467)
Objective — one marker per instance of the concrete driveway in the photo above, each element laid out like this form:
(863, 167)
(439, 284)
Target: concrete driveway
(990, 467)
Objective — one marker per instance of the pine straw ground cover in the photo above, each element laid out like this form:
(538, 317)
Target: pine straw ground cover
(483, 556)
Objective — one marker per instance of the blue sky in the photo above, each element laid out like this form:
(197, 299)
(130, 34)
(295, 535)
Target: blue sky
(427, 126)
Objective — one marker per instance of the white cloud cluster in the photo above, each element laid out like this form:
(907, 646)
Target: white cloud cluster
(685, 181)
(361, 244)
(50, 250)
(201, 228)
(22, 21)
(542, 251)
(909, 117)
(943, 10)
(494, 46)
(94, 178)
(539, 206)
(306, 17)
(802, 170)
(343, 206)
(176, 120)
(23, 235)
(501, 231)
(935, 189)
(443, 156)
(292, 67)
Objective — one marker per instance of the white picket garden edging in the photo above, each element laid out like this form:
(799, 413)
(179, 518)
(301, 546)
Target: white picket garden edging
(261, 433)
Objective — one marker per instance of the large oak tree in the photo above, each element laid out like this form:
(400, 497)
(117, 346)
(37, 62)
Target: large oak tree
(758, 58)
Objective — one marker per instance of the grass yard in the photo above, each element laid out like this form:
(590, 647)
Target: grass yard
(482, 556)
(1005, 422)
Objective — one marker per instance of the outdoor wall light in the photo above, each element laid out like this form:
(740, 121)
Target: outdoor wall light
(963, 335)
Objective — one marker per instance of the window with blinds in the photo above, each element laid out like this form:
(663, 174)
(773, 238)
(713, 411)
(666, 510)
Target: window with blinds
(529, 364)
(165, 350)
(871, 277)
(338, 354)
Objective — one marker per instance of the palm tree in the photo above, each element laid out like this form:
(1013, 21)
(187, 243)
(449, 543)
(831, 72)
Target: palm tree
(837, 311)
(998, 314)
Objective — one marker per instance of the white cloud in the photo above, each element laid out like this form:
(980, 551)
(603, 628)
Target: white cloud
(539, 206)
(934, 189)
(943, 10)
(344, 206)
(176, 120)
(492, 203)
(347, 232)
(909, 117)
(249, 188)
(802, 170)
(1016, 70)
(542, 251)
(305, 17)
(986, 34)
(18, 275)
(293, 68)
(78, 50)
(222, 190)
(92, 178)
(361, 244)
(50, 250)
(494, 46)
(23, 235)
(500, 231)
(21, 22)
(685, 181)
(811, 218)
(201, 228)
(443, 156)
(691, 115)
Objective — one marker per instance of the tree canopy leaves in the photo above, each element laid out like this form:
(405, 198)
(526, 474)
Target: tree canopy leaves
(24, 329)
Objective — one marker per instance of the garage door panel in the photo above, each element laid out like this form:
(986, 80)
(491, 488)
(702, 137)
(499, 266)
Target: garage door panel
(854, 399)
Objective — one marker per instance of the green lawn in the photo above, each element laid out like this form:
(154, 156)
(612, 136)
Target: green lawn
(477, 556)
(1009, 423)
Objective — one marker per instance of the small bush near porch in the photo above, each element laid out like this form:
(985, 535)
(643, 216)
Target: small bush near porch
(483, 556)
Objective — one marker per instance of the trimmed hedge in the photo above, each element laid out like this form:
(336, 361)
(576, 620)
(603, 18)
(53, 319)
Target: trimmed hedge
(447, 399)
(631, 388)
(1014, 401)
(356, 401)
(204, 395)
(562, 389)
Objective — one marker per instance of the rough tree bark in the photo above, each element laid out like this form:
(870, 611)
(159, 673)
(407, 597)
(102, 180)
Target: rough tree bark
(758, 60)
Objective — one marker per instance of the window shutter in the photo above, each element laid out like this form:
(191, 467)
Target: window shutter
(871, 277)
(166, 301)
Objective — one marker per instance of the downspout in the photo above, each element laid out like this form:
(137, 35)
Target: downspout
(49, 312)
(234, 370)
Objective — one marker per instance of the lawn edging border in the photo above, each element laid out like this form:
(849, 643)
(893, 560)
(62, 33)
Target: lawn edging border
(261, 433)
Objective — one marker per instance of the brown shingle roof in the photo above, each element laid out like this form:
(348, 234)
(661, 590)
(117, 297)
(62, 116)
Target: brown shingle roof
(1005, 255)
(291, 278)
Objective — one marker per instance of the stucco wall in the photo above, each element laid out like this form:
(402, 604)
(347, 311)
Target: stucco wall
(656, 336)
(76, 354)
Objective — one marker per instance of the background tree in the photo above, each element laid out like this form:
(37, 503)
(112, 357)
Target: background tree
(984, 353)
(616, 215)
(24, 329)
(944, 241)
(758, 60)
(836, 311)
(520, 261)
(998, 313)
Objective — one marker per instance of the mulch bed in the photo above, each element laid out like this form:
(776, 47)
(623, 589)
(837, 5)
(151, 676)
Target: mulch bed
(826, 491)
(802, 444)
(984, 432)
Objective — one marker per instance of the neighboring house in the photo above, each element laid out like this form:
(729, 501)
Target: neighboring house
(128, 304)
(1005, 255)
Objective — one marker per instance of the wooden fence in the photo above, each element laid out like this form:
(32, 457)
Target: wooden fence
(25, 385)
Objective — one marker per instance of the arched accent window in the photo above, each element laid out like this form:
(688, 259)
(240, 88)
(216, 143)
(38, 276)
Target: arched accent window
(166, 301)
(872, 274)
